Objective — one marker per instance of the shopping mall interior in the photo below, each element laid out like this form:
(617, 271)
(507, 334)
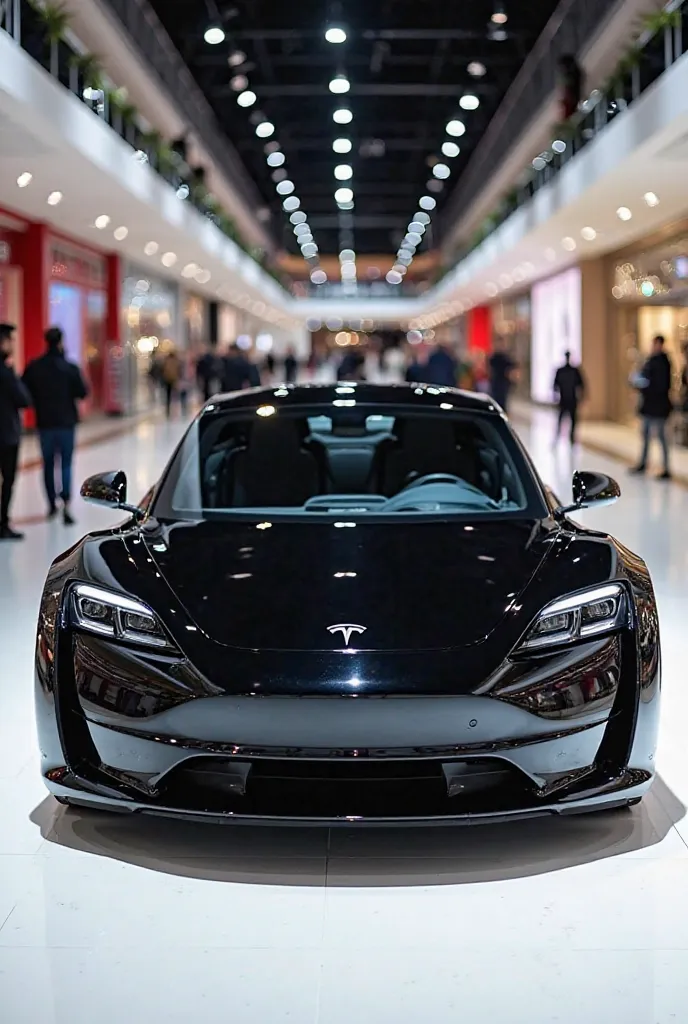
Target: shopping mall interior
(329, 684)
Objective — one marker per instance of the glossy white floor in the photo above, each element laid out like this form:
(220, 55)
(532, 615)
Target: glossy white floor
(105, 920)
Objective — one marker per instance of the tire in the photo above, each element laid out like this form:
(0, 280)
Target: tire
(62, 800)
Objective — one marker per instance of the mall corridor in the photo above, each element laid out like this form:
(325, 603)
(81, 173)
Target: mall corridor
(106, 918)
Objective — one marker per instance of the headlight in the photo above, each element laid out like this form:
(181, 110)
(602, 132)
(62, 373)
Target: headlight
(578, 617)
(110, 614)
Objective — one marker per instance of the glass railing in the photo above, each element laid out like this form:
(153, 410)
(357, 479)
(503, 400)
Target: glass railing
(657, 48)
(45, 36)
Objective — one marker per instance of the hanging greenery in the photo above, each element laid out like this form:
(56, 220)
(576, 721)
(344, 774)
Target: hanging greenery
(90, 69)
(55, 19)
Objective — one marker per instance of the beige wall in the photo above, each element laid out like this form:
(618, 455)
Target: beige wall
(597, 343)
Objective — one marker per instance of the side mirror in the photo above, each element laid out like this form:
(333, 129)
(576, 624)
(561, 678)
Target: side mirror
(109, 489)
(591, 489)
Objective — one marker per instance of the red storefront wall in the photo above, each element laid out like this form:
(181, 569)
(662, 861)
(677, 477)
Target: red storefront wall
(479, 331)
(49, 266)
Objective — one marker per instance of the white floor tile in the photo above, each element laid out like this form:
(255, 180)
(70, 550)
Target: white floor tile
(177, 986)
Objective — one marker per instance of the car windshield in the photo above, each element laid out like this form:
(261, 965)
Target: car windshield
(347, 459)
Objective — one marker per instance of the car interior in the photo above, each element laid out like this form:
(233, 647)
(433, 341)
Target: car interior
(353, 460)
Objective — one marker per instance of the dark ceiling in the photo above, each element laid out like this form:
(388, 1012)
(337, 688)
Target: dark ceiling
(407, 62)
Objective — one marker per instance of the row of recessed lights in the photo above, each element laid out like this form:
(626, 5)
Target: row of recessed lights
(276, 160)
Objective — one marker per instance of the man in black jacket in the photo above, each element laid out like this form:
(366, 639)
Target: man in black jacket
(13, 397)
(654, 384)
(55, 386)
(569, 387)
(237, 372)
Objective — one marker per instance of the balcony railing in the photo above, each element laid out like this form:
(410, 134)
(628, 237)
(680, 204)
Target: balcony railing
(653, 53)
(59, 53)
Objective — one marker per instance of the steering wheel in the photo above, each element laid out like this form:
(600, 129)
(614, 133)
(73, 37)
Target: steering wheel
(434, 478)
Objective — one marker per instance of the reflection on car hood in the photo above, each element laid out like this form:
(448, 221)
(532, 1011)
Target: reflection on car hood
(281, 586)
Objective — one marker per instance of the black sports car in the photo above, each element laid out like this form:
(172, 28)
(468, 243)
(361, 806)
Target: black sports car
(348, 603)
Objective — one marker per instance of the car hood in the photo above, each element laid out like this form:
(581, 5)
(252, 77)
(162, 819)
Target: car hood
(411, 586)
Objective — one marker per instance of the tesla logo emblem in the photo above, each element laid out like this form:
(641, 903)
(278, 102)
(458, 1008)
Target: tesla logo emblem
(346, 629)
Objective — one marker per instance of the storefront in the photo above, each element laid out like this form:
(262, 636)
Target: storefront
(77, 303)
(150, 327)
(196, 326)
(511, 324)
(649, 294)
(556, 316)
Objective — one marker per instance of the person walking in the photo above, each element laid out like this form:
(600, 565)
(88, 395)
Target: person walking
(13, 397)
(654, 385)
(291, 367)
(569, 387)
(501, 372)
(206, 373)
(441, 368)
(237, 372)
(55, 386)
(171, 373)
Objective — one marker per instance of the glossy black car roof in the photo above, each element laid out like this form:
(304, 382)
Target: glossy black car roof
(418, 396)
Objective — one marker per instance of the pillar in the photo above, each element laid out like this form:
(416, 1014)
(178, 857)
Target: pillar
(33, 255)
(596, 341)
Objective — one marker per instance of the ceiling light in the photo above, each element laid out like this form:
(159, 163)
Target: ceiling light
(189, 270)
(342, 145)
(168, 259)
(236, 59)
(421, 218)
(121, 233)
(441, 171)
(150, 248)
(202, 276)
(450, 149)
(434, 185)
(651, 198)
(519, 274)
(339, 85)
(343, 195)
(302, 228)
(456, 128)
(588, 234)
(238, 83)
(400, 268)
(416, 227)
(623, 213)
(427, 203)
(309, 249)
(305, 237)
(247, 98)
(285, 188)
(265, 129)
(342, 116)
(469, 102)
(102, 221)
(404, 257)
(298, 218)
(476, 69)
(24, 179)
(568, 243)
(499, 16)
(347, 256)
(54, 198)
(559, 146)
(343, 172)
(393, 277)
(291, 203)
(413, 238)
(318, 276)
(276, 159)
(335, 35)
(214, 35)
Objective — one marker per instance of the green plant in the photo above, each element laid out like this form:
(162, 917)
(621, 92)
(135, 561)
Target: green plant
(90, 69)
(55, 19)
(658, 21)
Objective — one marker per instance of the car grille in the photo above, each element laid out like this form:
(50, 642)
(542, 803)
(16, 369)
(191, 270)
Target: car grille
(346, 789)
